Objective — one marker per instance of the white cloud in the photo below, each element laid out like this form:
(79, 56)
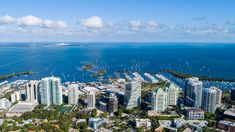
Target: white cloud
(30, 21)
(135, 25)
(94, 28)
(6, 19)
(55, 24)
(211, 29)
(93, 22)
(35, 21)
(151, 25)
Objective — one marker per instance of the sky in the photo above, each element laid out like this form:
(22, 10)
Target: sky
(117, 21)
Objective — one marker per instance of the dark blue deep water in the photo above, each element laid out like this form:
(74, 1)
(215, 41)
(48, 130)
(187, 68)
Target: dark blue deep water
(216, 60)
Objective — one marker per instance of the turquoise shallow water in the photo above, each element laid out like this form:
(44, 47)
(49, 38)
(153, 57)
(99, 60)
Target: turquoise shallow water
(46, 59)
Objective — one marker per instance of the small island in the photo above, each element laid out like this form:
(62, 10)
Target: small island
(4, 77)
(100, 73)
(202, 78)
(87, 67)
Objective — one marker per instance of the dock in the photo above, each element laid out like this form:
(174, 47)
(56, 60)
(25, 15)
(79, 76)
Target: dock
(137, 75)
(152, 78)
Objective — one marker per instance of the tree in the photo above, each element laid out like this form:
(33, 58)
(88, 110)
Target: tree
(104, 115)
(211, 123)
(94, 113)
(140, 129)
(210, 115)
(119, 112)
(5, 124)
(115, 130)
(219, 114)
(82, 125)
(205, 129)
(123, 126)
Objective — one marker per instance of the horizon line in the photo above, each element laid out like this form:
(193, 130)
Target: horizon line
(116, 42)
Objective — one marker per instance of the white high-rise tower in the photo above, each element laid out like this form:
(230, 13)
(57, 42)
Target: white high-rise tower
(73, 94)
(91, 100)
(51, 91)
(172, 94)
(158, 100)
(132, 97)
(193, 92)
(32, 91)
(218, 95)
(209, 100)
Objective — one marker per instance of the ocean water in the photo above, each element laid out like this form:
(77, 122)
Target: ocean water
(47, 59)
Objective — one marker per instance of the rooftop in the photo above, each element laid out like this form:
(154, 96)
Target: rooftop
(227, 123)
(22, 107)
(230, 113)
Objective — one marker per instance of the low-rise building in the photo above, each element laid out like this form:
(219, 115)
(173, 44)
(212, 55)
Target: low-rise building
(95, 122)
(187, 130)
(230, 113)
(194, 114)
(1, 122)
(20, 108)
(145, 123)
(5, 104)
(227, 126)
(179, 122)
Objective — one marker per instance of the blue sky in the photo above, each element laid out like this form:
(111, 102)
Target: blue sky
(117, 20)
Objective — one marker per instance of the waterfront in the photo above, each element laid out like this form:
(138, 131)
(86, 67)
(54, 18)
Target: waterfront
(47, 59)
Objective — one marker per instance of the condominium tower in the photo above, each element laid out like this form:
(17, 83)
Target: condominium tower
(158, 100)
(32, 91)
(51, 91)
(218, 95)
(91, 100)
(172, 94)
(193, 92)
(112, 103)
(73, 94)
(132, 96)
(209, 100)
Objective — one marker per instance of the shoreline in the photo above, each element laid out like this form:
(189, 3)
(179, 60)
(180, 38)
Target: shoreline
(183, 75)
(8, 76)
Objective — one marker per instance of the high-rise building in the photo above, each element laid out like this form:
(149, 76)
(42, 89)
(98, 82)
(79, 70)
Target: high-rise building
(158, 100)
(91, 100)
(172, 94)
(32, 91)
(209, 100)
(15, 96)
(232, 94)
(218, 95)
(132, 96)
(51, 91)
(193, 92)
(112, 103)
(73, 94)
